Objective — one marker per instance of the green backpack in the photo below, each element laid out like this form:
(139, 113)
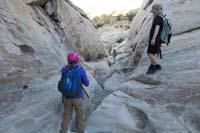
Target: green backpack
(166, 32)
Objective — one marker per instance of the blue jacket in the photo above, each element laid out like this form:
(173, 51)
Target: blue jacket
(84, 80)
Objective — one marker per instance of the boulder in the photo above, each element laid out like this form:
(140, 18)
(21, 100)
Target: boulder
(120, 112)
(80, 31)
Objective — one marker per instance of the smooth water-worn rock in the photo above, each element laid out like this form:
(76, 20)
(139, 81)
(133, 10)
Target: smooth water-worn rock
(168, 99)
(121, 113)
(35, 39)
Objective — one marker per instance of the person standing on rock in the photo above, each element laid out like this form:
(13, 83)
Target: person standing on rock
(70, 85)
(114, 54)
(154, 38)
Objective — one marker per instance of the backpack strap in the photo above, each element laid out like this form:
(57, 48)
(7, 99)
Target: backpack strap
(67, 67)
(163, 16)
(78, 73)
(158, 41)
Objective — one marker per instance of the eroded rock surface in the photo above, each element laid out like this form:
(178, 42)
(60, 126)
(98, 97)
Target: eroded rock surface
(167, 101)
(33, 47)
(34, 41)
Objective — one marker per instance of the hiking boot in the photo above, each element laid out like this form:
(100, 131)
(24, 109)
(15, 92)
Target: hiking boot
(158, 67)
(151, 69)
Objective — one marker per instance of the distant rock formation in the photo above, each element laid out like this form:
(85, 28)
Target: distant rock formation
(111, 18)
(113, 29)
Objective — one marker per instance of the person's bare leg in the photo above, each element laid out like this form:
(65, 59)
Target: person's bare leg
(153, 59)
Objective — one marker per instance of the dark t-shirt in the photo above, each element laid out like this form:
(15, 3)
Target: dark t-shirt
(154, 49)
(158, 20)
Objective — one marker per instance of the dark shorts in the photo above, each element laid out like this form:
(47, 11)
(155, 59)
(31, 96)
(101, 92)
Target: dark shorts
(154, 49)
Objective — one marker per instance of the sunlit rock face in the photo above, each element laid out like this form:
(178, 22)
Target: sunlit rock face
(29, 42)
(33, 47)
(80, 31)
(33, 39)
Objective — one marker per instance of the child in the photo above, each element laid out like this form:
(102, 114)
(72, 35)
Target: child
(154, 38)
